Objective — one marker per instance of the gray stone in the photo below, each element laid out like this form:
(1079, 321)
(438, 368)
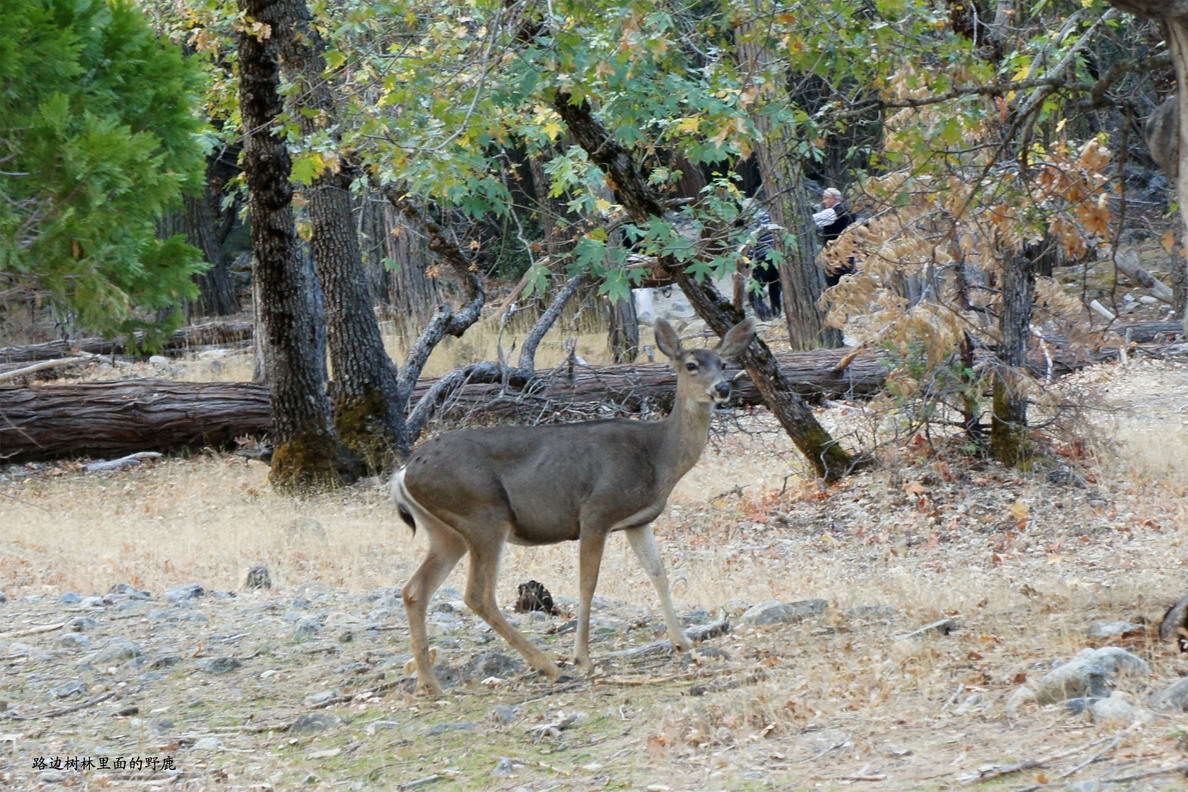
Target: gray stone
(1173, 698)
(307, 628)
(1080, 705)
(492, 664)
(354, 668)
(165, 660)
(185, 593)
(3, 598)
(221, 665)
(74, 641)
(70, 598)
(95, 602)
(1089, 673)
(1117, 709)
(1085, 786)
(504, 768)
(117, 651)
(74, 687)
(505, 713)
(312, 722)
(301, 602)
(207, 744)
(776, 612)
(82, 624)
(442, 607)
(699, 616)
(320, 698)
(1111, 629)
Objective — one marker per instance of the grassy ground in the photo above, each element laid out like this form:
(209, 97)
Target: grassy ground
(836, 701)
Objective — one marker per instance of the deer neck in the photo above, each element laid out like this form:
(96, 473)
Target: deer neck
(686, 431)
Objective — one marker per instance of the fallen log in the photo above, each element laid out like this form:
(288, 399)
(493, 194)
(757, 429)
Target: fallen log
(210, 333)
(107, 419)
(112, 418)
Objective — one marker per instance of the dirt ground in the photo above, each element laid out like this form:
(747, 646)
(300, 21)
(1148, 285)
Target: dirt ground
(304, 685)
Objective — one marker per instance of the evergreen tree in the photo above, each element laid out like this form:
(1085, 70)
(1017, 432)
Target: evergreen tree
(97, 139)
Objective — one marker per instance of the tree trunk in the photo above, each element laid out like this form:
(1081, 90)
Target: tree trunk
(828, 459)
(1008, 423)
(624, 331)
(367, 410)
(782, 172)
(307, 453)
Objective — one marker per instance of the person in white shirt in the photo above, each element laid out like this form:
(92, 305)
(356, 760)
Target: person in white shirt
(831, 221)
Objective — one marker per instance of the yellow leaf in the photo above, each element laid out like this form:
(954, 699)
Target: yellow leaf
(552, 129)
(1019, 511)
(689, 124)
(602, 205)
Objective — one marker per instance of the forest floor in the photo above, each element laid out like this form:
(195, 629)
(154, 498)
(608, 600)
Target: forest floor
(304, 685)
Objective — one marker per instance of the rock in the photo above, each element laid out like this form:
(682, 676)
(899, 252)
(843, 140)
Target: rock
(1118, 709)
(1018, 698)
(73, 688)
(82, 624)
(940, 627)
(117, 651)
(258, 577)
(74, 641)
(776, 612)
(504, 768)
(703, 632)
(1173, 698)
(165, 660)
(1081, 705)
(207, 744)
(313, 722)
(354, 668)
(95, 602)
(320, 698)
(69, 598)
(492, 664)
(1111, 629)
(221, 665)
(307, 628)
(442, 728)
(301, 602)
(184, 593)
(3, 598)
(129, 591)
(505, 713)
(442, 607)
(1090, 673)
(699, 616)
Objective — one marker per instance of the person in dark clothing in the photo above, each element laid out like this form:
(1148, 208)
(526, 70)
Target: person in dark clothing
(831, 221)
(764, 270)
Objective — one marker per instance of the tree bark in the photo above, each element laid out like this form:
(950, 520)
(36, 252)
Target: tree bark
(1008, 423)
(829, 460)
(307, 452)
(366, 405)
(782, 173)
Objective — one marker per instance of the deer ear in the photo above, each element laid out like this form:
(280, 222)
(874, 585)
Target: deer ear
(668, 340)
(737, 339)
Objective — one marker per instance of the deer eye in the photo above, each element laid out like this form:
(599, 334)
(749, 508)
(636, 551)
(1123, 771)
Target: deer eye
(691, 367)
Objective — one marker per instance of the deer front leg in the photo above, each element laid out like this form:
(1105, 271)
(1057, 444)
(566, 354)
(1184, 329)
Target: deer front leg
(589, 561)
(445, 548)
(644, 545)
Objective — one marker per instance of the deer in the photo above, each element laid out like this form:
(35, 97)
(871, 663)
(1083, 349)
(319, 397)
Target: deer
(474, 490)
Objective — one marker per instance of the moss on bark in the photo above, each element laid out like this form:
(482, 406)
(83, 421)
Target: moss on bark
(360, 425)
(309, 462)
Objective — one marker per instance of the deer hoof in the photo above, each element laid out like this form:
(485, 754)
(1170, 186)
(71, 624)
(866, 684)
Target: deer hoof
(429, 690)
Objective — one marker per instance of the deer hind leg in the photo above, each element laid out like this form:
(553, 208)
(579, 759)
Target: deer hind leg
(589, 561)
(480, 598)
(445, 548)
(644, 545)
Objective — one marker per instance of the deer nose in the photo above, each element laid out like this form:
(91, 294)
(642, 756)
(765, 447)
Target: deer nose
(722, 390)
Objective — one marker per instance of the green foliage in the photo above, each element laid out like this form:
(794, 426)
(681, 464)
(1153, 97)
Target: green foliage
(97, 139)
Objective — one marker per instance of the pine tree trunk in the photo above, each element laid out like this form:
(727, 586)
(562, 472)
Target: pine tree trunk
(367, 409)
(1008, 423)
(307, 453)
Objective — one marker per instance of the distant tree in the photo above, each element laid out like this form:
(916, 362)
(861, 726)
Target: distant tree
(97, 140)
